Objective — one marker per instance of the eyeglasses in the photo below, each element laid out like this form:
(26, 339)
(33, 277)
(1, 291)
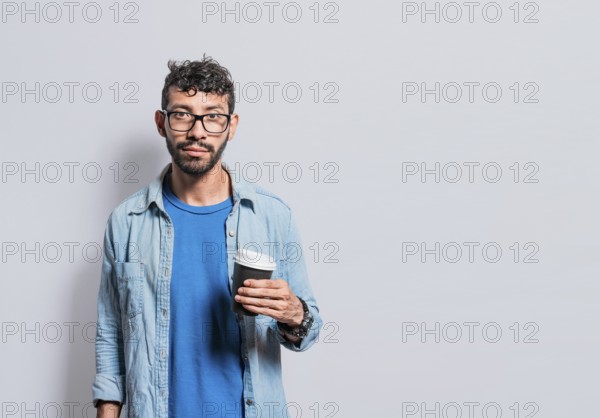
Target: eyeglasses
(214, 123)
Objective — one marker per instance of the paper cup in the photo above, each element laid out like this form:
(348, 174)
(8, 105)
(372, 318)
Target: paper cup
(249, 264)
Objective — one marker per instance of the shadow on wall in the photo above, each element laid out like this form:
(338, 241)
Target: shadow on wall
(150, 158)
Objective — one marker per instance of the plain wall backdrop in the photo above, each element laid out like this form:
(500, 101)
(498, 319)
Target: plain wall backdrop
(440, 157)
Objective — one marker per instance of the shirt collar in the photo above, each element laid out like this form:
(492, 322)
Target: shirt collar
(242, 190)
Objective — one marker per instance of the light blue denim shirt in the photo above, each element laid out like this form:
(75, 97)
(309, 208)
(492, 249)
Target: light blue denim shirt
(133, 300)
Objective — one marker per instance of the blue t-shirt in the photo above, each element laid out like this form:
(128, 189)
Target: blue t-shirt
(205, 366)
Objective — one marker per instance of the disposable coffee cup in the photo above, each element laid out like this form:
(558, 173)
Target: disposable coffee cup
(249, 264)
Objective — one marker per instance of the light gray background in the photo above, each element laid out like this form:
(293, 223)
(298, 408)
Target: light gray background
(361, 367)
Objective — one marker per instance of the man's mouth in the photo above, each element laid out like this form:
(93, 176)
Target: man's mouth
(195, 151)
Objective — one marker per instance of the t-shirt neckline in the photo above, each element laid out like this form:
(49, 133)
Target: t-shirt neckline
(201, 210)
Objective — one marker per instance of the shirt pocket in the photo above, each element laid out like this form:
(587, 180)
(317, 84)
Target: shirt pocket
(130, 278)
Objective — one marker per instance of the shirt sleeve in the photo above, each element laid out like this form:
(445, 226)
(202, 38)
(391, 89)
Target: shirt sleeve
(109, 381)
(296, 273)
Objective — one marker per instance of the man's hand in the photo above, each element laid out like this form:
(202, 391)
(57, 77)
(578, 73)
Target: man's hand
(273, 298)
(108, 409)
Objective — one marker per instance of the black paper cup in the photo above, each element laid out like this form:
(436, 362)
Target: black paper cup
(249, 264)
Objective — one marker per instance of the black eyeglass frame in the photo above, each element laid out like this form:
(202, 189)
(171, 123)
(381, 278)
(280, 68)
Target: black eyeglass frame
(168, 113)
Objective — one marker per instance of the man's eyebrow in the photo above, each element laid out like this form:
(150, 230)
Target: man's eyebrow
(181, 106)
(189, 109)
(213, 107)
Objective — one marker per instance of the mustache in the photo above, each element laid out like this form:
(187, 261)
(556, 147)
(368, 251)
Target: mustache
(204, 145)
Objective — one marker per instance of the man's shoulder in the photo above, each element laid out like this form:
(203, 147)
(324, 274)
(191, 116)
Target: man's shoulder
(128, 205)
(271, 197)
(133, 201)
(138, 201)
(268, 201)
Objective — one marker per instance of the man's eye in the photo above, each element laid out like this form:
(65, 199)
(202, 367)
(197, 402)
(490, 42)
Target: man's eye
(212, 116)
(180, 115)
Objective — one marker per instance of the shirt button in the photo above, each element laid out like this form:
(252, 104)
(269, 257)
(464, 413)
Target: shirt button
(249, 402)
(164, 313)
(163, 354)
(231, 233)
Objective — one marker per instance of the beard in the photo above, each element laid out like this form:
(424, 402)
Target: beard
(194, 166)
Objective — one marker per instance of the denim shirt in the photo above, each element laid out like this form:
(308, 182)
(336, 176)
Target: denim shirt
(133, 300)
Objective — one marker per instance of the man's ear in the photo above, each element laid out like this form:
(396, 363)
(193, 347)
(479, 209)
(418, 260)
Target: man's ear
(232, 126)
(159, 119)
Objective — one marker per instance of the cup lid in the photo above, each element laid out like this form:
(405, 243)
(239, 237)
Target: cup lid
(254, 260)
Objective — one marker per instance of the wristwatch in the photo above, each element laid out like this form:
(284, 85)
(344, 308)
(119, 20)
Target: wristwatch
(301, 330)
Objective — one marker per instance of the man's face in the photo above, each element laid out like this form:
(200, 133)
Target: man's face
(195, 152)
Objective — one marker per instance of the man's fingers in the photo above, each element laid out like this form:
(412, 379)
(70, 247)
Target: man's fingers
(261, 302)
(265, 283)
(264, 311)
(272, 297)
(261, 292)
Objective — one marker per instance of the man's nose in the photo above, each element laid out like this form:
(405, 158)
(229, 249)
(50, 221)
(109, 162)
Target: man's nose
(197, 131)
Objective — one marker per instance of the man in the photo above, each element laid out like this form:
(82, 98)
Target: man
(168, 342)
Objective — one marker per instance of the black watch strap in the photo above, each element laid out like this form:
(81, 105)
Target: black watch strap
(302, 330)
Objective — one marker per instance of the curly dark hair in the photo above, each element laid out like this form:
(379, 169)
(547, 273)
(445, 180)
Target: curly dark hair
(206, 75)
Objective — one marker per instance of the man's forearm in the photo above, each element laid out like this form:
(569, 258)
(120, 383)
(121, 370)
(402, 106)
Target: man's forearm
(109, 409)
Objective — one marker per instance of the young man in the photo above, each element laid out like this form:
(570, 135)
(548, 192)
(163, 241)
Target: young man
(168, 341)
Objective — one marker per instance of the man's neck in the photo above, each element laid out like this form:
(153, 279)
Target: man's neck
(212, 188)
